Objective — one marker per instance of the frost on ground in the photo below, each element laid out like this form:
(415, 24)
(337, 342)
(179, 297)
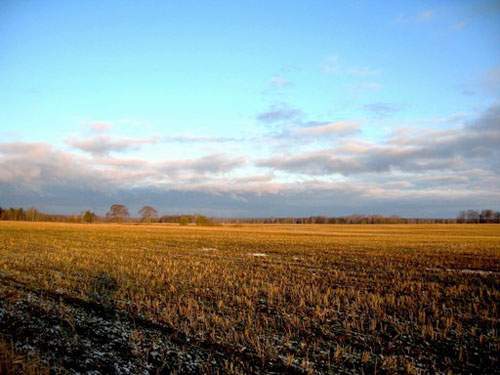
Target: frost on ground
(462, 270)
(79, 337)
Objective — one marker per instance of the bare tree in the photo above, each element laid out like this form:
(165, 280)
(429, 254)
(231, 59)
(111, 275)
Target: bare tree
(486, 216)
(118, 212)
(147, 213)
(472, 216)
(32, 214)
(88, 217)
(462, 217)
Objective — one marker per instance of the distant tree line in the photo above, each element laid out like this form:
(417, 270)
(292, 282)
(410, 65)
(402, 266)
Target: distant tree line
(350, 219)
(119, 213)
(469, 216)
(486, 216)
(30, 214)
(200, 220)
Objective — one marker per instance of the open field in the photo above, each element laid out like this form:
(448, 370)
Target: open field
(130, 299)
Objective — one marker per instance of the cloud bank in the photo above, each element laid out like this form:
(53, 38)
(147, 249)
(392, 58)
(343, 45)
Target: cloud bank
(332, 170)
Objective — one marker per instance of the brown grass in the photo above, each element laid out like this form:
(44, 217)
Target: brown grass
(386, 298)
(14, 363)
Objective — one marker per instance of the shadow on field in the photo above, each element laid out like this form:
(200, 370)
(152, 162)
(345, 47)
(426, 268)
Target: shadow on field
(102, 289)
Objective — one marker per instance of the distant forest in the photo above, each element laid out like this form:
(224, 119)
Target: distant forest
(147, 214)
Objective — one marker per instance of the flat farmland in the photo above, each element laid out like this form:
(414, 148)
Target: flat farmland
(252, 299)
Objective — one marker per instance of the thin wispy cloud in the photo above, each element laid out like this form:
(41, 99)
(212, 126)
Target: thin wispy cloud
(478, 10)
(401, 18)
(460, 25)
(490, 79)
(423, 16)
(105, 144)
(279, 113)
(336, 128)
(197, 139)
(98, 127)
(382, 110)
(426, 16)
(279, 81)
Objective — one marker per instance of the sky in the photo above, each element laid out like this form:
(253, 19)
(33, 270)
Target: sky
(251, 109)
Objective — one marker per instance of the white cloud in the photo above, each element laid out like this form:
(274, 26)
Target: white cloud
(99, 126)
(426, 16)
(104, 144)
(36, 165)
(338, 128)
(436, 150)
(431, 168)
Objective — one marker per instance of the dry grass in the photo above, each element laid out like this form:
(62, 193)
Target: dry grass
(386, 299)
(14, 363)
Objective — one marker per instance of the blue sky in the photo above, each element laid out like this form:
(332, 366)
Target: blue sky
(251, 109)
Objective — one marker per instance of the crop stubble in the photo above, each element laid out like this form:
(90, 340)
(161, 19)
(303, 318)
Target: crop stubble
(308, 298)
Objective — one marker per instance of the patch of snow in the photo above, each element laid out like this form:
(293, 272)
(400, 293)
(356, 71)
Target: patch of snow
(479, 272)
(97, 353)
(259, 254)
(462, 270)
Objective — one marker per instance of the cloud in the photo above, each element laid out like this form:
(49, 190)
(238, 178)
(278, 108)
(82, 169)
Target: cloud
(255, 178)
(104, 144)
(375, 160)
(426, 16)
(213, 163)
(457, 26)
(264, 199)
(457, 149)
(279, 81)
(441, 180)
(30, 165)
(99, 126)
(196, 139)
(478, 9)
(336, 128)
(290, 130)
(486, 82)
(64, 182)
(382, 110)
(415, 171)
(279, 113)
(490, 79)
(402, 18)
(423, 17)
(35, 166)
